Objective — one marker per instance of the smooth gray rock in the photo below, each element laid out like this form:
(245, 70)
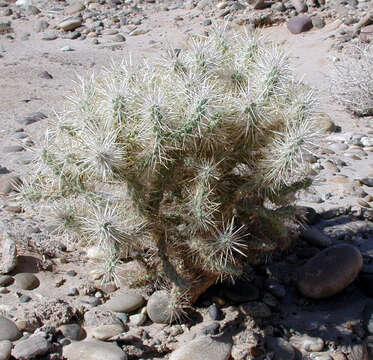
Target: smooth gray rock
(158, 307)
(70, 24)
(26, 281)
(93, 350)
(307, 343)
(204, 348)
(33, 346)
(8, 330)
(125, 303)
(330, 271)
(5, 349)
(72, 331)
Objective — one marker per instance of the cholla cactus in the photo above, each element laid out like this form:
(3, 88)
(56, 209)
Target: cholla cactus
(185, 163)
(352, 80)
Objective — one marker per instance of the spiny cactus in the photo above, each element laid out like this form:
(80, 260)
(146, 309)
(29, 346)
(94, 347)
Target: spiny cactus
(352, 80)
(186, 163)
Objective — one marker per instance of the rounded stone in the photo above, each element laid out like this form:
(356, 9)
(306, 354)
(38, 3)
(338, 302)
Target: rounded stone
(204, 348)
(104, 332)
(137, 319)
(72, 331)
(256, 309)
(299, 24)
(8, 330)
(93, 350)
(125, 303)
(158, 307)
(330, 271)
(5, 349)
(26, 281)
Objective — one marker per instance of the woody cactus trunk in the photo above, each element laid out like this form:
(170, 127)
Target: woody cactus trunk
(186, 163)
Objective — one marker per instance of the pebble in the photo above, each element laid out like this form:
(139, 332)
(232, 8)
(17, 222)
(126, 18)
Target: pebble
(5, 349)
(330, 271)
(104, 332)
(204, 348)
(137, 319)
(323, 121)
(74, 8)
(29, 348)
(72, 331)
(307, 343)
(125, 303)
(214, 312)
(67, 48)
(8, 330)
(93, 350)
(26, 281)
(315, 236)
(338, 146)
(31, 118)
(158, 307)
(256, 309)
(281, 348)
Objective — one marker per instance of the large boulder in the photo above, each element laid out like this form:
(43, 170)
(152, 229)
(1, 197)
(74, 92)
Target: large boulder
(330, 271)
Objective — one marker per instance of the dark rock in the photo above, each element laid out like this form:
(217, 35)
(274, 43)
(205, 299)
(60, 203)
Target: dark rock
(26, 281)
(24, 299)
(330, 271)
(367, 181)
(299, 24)
(31, 118)
(72, 331)
(315, 236)
(281, 348)
(241, 292)
(256, 309)
(276, 289)
(262, 4)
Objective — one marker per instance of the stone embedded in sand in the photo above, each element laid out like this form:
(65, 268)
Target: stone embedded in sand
(299, 24)
(204, 348)
(330, 271)
(70, 24)
(325, 123)
(26, 281)
(31, 118)
(32, 347)
(8, 330)
(125, 303)
(367, 181)
(93, 350)
(158, 307)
